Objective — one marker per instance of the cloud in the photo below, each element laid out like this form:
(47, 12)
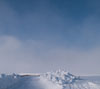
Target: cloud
(15, 56)
(35, 56)
(43, 39)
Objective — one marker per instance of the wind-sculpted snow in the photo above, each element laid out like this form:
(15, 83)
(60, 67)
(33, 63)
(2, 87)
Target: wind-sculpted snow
(61, 77)
(8, 80)
(19, 82)
(50, 80)
(65, 80)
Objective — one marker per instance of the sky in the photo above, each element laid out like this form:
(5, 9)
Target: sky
(44, 35)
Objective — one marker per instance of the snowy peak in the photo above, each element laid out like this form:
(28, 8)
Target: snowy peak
(61, 77)
(66, 80)
(50, 80)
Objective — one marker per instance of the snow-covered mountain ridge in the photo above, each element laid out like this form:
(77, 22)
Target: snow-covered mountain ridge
(67, 80)
(61, 77)
(50, 80)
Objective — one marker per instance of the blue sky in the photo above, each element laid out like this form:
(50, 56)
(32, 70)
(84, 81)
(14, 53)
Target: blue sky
(68, 21)
(58, 32)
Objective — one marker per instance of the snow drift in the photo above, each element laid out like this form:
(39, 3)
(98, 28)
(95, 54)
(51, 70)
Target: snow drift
(51, 80)
(66, 80)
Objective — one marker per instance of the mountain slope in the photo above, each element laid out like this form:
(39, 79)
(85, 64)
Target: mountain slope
(65, 80)
(50, 80)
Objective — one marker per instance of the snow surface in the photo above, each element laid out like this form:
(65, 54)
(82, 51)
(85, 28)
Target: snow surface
(51, 80)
